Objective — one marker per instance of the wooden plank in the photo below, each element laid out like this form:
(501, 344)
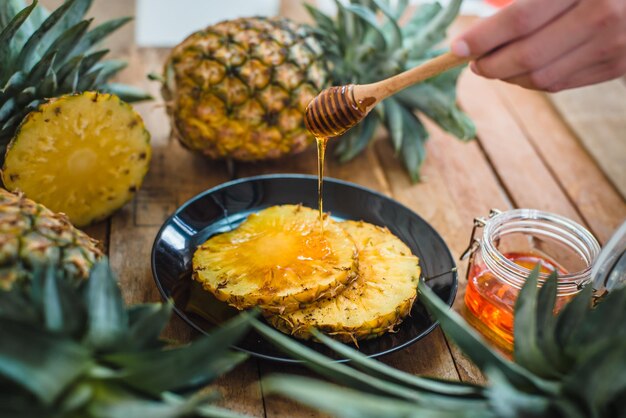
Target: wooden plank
(523, 174)
(601, 206)
(597, 114)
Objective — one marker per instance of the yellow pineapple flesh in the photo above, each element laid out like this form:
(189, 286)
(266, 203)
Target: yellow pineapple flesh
(84, 155)
(375, 303)
(279, 259)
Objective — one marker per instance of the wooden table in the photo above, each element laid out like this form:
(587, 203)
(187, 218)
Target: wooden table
(526, 155)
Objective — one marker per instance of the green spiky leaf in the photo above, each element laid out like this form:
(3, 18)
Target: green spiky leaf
(107, 319)
(45, 365)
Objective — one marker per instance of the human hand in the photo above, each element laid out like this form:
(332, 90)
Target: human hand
(549, 45)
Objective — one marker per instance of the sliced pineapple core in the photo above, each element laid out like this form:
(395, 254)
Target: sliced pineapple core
(84, 155)
(375, 303)
(279, 259)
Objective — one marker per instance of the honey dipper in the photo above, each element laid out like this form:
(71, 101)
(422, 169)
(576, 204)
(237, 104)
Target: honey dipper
(337, 109)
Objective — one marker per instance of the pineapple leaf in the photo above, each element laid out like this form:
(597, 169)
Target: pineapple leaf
(508, 402)
(125, 92)
(571, 317)
(353, 378)
(605, 321)
(546, 321)
(109, 68)
(441, 109)
(45, 366)
(25, 96)
(7, 43)
(603, 375)
(99, 33)
(65, 44)
(424, 14)
(322, 20)
(7, 109)
(61, 305)
(374, 33)
(394, 122)
(8, 10)
(378, 369)
(41, 68)
(49, 85)
(199, 362)
(14, 83)
(146, 323)
(434, 31)
(474, 346)
(90, 60)
(88, 81)
(528, 313)
(127, 406)
(412, 150)
(106, 316)
(349, 403)
(76, 14)
(13, 306)
(32, 50)
(358, 138)
(394, 41)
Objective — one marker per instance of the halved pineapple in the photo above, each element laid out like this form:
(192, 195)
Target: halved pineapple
(84, 155)
(375, 303)
(279, 259)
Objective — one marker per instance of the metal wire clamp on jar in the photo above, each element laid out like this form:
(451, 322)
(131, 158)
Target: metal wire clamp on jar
(512, 243)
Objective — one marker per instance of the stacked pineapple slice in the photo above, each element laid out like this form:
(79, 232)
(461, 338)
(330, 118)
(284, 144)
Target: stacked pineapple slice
(352, 280)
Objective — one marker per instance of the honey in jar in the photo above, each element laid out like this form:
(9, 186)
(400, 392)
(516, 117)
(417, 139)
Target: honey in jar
(512, 244)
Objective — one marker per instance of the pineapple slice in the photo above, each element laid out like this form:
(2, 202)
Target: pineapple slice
(278, 259)
(372, 305)
(84, 155)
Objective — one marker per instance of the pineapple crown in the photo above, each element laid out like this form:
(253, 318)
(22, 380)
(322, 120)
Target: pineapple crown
(46, 54)
(568, 365)
(365, 43)
(78, 351)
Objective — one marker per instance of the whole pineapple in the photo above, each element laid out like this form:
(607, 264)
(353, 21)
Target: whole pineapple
(239, 89)
(48, 54)
(32, 235)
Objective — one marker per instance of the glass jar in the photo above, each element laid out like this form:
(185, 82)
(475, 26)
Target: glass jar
(512, 244)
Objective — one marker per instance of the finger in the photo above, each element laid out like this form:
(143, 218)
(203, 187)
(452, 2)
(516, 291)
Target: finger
(599, 50)
(544, 46)
(596, 74)
(519, 19)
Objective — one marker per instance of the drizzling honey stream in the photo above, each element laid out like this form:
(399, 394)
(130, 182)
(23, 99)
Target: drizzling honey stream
(330, 114)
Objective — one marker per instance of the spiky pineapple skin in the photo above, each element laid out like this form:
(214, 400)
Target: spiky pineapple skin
(82, 154)
(239, 89)
(32, 235)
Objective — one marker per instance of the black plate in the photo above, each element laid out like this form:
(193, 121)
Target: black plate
(224, 207)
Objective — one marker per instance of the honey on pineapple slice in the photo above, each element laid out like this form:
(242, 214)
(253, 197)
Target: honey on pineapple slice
(375, 303)
(84, 155)
(279, 259)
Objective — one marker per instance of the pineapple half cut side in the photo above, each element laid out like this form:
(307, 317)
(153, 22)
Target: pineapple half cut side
(278, 259)
(375, 303)
(82, 154)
